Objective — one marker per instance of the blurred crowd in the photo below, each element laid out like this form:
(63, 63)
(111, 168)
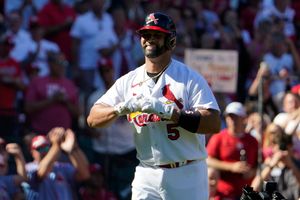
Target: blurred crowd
(57, 57)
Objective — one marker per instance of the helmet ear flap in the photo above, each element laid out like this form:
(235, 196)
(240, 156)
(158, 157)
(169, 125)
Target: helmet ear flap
(170, 42)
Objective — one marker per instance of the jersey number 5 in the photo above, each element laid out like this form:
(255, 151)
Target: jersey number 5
(173, 133)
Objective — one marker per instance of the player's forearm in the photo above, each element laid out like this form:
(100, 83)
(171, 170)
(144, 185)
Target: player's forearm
(101, 116)
(210, 121)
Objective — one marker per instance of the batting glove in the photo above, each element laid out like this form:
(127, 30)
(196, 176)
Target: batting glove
(153, 105)
(127, 107)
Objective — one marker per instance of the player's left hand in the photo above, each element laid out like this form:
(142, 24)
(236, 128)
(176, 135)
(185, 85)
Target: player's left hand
(128, 106)
(153, 105)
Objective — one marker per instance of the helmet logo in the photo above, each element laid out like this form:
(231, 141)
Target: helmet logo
(151, 18)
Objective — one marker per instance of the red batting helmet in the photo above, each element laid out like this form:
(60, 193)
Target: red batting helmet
(160, 22)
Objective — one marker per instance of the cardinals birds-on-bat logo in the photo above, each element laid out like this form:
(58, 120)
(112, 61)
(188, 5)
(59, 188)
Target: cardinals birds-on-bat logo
(151, 18)
(170, 96)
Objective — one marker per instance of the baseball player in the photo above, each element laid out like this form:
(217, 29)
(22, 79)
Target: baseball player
(171, 107)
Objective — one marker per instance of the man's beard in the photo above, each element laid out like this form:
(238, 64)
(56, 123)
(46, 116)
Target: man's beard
(159, 50)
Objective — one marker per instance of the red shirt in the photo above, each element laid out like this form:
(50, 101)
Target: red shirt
(296, 89)
(56, 114)
(52, 15)
(8, 68)
(226, 147)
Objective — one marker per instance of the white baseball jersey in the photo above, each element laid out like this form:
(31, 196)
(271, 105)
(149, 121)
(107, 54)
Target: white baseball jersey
(159, 141)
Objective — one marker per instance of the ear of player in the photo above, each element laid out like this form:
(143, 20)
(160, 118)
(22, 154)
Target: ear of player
(145, 104)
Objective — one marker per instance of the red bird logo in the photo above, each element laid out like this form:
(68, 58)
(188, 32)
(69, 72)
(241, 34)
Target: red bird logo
(152, 18)
(170, 96)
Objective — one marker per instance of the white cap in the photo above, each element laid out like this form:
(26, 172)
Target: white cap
(39, 141)
(235, 108)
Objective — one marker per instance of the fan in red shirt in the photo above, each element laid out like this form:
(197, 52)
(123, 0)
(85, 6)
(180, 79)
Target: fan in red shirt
(10, 83)
(234, 153)
(57, 18)
(52, 101)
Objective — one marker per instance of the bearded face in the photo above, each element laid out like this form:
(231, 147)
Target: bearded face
(154, 51)
(153, 43)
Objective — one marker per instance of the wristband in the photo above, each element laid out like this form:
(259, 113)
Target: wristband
(189, 120)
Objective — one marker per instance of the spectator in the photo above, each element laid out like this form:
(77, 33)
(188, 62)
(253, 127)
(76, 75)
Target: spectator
(40, 47)
(289, 120)
(122, 45)
(24, 7)
(270, 137)
(235, 38)
(290, 104)
(257, 48)
(19, 36)
(290, 124)
(51, 96)
(10, 182)
(10, 83)
(85, 30)
(234, 153)
(247, 12)
(11, 5)
(57, 18)
(94, 188)
(293, 129)
(280, 64)
(47, 177)
(256, 124)
(207, 18)
(282, 168)
(191, 34)
(232, 30)
(279, 12)
(259, 90)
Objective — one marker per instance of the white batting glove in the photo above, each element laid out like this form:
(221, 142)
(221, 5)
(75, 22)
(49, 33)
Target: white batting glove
(127, 107)
(153, 105)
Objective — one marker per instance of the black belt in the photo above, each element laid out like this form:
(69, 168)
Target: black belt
(176, 164)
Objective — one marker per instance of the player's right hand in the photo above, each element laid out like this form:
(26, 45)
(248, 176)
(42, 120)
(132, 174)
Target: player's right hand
(127, 107)
(153, 105)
